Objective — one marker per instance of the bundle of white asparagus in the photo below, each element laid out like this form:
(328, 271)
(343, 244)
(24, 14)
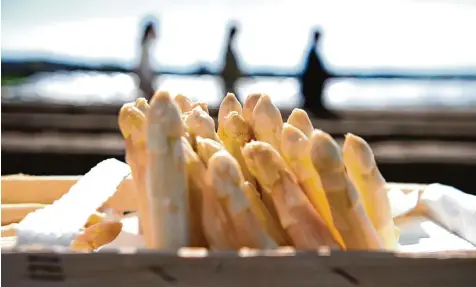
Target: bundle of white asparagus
(251, 181)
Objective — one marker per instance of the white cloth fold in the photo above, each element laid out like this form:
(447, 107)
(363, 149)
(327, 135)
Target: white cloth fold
(59, 223)
(449, 221)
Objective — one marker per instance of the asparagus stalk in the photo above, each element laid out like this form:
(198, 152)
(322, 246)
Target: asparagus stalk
(236, 133)
(267, 122)
(132, 123)
(202, 105)
(229, 104)
(267, 125)
(183, 103)
(299, 119)
(215, 225)
(200, 123)
(166, 175)
(302, 223)
(206, 148)
(348, 213)
(268, 222)
(371, 186)
(249, 106)
(96, 236)
(142, 105)
(296, 151)
(226, 179)
(196, 186)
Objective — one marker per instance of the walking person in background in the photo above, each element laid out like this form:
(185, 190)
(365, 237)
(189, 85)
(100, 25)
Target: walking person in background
(231, 71)
(313, 78)
(145, 72)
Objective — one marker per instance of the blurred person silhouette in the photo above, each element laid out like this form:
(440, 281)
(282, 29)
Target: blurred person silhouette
(144, 71)
(230, 72)
(313, 78)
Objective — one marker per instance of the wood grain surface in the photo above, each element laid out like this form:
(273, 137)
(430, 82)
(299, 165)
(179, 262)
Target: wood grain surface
(237, 270)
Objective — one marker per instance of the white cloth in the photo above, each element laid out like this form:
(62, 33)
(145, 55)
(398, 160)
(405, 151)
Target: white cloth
(449, 222)
(59, 223)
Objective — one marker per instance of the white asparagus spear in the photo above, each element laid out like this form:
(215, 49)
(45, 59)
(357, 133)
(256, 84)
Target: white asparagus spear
(372, 187)
(249, 106)
(216, 230)
(202, 105)
(296, 151)
(225, 177)
(349, 215)
(132, 123)
(183, 103)
(299, 119)
(166, 175)
(206, 148)
(195, 172)
(142, 105)
(267, 122)
(300, 220)
(200, 123)
(236, 133)
(229, 104)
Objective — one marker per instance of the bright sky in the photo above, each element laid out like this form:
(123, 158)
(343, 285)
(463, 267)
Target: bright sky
(390, 35)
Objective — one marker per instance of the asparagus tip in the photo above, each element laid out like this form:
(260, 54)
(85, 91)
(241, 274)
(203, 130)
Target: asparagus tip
(300, 119)
(357, 150)
(294, 142)
(229, 103)
(165, 114)
(325, 152)
(224, 170)
(263, 161)
(249, 106)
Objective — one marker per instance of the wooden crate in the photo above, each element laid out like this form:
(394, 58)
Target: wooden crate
(235, 270)
(285, 267)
